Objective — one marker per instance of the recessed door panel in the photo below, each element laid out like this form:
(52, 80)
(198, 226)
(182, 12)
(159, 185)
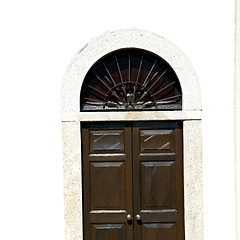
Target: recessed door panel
(162, 231)
(106, 141)
(157, 185)
(133, 181)
(107, 181)
(108, 232)
(157, 140)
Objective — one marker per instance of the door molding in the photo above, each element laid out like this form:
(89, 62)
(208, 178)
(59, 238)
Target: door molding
(191, 116)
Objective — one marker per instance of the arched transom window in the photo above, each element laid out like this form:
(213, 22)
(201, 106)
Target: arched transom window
(131, 79)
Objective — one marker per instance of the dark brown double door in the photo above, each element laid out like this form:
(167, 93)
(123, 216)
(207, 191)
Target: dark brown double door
(133, 181)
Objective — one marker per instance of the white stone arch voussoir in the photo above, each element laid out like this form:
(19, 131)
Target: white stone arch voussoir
(111, 41)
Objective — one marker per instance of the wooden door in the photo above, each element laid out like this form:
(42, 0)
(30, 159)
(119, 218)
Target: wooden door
(107, 181)
(133, 181)
(158, 181)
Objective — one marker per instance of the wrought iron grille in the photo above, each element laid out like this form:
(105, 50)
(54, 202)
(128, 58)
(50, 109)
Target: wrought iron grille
(131, 79)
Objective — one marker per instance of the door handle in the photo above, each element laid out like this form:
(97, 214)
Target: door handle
(129, 217)
(138, 217)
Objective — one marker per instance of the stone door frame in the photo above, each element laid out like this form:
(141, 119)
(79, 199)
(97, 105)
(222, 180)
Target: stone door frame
(190, 115)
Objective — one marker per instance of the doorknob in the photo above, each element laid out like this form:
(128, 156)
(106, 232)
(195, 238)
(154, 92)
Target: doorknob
(129, 217)
(138, 217)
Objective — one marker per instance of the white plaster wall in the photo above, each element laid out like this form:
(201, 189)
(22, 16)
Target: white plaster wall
(237, 114)
(38, 40)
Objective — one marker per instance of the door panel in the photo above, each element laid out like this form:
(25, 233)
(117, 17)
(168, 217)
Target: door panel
(108, 232)
(107, 180)
(157, 141)
(106, 141)
(133, 168)
(157, 185)
(162, 231)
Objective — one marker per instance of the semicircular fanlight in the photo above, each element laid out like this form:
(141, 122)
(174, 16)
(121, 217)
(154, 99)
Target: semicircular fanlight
(131, 79)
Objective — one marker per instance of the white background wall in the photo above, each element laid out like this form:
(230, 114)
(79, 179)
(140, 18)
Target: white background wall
(38, 39)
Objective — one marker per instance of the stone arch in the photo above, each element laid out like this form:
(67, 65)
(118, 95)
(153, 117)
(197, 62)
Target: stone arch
(111, 41)
(190, 115)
